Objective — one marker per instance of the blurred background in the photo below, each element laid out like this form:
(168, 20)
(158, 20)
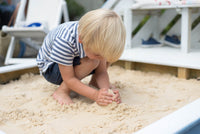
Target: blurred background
(76, 8)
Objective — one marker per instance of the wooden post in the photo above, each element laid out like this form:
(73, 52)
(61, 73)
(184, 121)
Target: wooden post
(128, 65)
(128, 26)
(185, 30)
(6, 77)
(183, 73)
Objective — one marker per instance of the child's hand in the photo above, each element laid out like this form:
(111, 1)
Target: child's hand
(117, 96)
(104, 98)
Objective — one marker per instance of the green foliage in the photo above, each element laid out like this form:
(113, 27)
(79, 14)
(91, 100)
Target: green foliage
(141, 24)
(171, 24)
(196, 22)
(75, 10)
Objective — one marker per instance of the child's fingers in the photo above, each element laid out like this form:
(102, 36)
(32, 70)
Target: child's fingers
(104, 102)
(106, 93)
(117, 96)
(116, 91)
(107, 101)
(104, 98)
(119, 101)
(108, 98)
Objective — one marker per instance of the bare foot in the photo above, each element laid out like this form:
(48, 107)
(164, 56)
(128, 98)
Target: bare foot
(62, 97)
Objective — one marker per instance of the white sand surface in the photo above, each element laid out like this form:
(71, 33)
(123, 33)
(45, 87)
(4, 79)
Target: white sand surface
(27, 107)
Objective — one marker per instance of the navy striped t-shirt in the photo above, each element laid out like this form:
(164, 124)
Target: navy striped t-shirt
(60, 46)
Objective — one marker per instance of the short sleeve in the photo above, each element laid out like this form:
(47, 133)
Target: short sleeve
(62, 52)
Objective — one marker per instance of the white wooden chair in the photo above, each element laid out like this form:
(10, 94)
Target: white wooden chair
(48, 13)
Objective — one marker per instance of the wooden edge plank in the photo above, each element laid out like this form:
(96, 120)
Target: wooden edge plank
(12, 72)
(183, 73)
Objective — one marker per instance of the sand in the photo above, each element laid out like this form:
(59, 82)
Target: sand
(26, 105)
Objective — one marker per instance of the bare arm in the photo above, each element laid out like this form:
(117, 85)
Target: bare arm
(75, 84)
(102, 79)
(101, 75)
(100, 96)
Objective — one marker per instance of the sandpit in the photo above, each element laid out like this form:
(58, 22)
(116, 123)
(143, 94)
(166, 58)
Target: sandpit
(26, 105)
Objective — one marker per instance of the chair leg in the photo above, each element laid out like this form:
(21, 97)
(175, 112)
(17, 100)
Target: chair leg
(10, 50)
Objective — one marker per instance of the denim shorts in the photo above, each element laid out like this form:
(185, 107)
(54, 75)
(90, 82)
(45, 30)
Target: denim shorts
(53, 74)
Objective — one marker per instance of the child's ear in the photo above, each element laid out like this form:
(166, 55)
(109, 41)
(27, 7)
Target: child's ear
(79, 39)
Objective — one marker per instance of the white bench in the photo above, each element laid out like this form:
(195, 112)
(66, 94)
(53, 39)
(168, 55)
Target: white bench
(187, 56)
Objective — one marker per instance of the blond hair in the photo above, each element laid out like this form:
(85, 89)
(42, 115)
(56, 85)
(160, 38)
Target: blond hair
(102, 32)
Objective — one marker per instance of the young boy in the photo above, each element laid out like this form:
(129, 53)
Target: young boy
(74, 50)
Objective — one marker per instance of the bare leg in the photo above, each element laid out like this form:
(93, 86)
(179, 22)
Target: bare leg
(62, 94)
(93, 79)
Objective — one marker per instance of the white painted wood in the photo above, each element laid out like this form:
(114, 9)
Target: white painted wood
(128, 25)
(23, 32)
(155, 31)
(20, 15)
(166, 18)
(186, 30)
(122, 5)
(176, 122)
(35, 13)
(10, 50)
(154, 26)
(165, 55)
(10, 68)
(195, 40)
(144, 32)
(178, 57)
(65, 11)
(152, 6)
(176, 29)
(195, 37)
(20, 60)
(119, 6)
(136, 19)
(1, 132)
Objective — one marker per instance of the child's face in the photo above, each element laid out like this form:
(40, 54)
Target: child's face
(92, 55)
